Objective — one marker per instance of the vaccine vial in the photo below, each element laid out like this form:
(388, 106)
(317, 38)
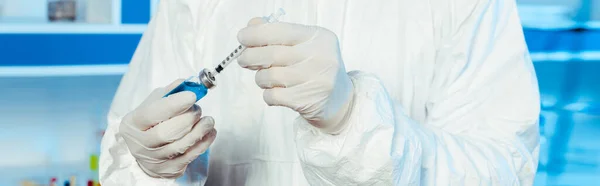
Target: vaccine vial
(199, 85)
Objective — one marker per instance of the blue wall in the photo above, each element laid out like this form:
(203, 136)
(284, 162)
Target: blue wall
(66, 49)
(86, 49)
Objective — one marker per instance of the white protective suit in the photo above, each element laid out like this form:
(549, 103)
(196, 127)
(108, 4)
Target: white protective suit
(446, 95)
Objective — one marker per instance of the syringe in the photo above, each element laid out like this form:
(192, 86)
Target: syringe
(236, 53)
(206, 78)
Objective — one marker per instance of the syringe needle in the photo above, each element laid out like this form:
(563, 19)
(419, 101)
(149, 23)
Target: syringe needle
(238, 51)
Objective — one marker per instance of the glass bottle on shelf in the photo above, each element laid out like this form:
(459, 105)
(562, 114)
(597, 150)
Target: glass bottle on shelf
(62, 10)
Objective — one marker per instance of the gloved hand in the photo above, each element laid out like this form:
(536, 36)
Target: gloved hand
(166, 134)
(299, 67)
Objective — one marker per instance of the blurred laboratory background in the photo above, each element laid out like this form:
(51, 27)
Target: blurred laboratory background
(61, 62)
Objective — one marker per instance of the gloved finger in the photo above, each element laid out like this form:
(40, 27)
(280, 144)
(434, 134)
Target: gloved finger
(257, 21)
(268, 56)
(161, 169)
(149, 115)
(179, 147)
(172, 129)
(280, 97)
(158, 93)
(198, 149)
(278, 33)
(173, 84)
(279, 77)
(176, 167)
(296, 97)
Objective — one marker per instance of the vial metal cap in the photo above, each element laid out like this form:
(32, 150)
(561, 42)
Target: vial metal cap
(207, 78)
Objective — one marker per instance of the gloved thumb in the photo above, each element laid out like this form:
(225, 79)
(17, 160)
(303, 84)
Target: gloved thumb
(156, 109)
(160, 92)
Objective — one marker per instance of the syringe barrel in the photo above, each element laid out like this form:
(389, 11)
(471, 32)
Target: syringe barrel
(232, 56)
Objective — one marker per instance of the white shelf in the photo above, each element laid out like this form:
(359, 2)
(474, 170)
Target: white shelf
(587, 56)
(70, 28)
(119, 69)
(52, 71)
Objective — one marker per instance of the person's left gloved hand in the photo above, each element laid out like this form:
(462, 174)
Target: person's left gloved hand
(300, 67)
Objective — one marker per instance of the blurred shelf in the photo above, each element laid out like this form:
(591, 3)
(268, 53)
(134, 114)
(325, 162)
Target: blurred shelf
(119, 69)
(560, 25)
(51, 71)
(585, 56)
(552, 17)
(43, 174)
(70, 28)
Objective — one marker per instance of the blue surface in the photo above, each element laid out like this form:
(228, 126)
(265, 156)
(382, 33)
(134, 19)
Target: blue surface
(569, 122)
(562, 40)
(135, 11)
(66, 49)
(199, 89)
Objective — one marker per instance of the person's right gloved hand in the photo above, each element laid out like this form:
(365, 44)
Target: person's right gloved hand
(166, 134)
